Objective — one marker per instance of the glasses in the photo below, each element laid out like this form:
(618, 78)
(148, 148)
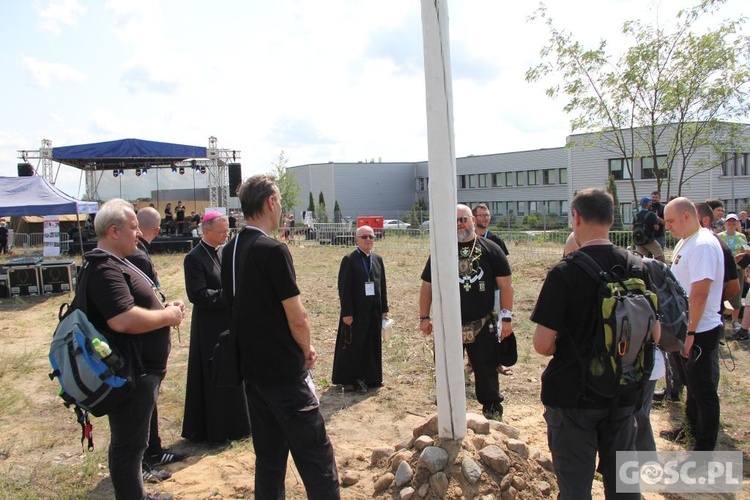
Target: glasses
(482, 215)
(367, 237)
(463, 220)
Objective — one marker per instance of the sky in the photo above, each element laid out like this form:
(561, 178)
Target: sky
(320, 80)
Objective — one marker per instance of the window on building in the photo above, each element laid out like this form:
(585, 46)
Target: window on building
(533, 207)
(482, 180)
(563, 175)
(548, 176)
(552, 206)
(498, 207)
(626, 212)
(533, 177)
(647, 167)
(522, 208)
(497, 180)
(563, 207)
(421, 183)
(618, 169)
(472, 181)
(521, 178)
(509, 179)
(512, 209)
(462, 182)
(736, 164)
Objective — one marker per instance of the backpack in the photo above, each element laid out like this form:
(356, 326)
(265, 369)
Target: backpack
(673, 305)
(643, 233)
(621, 356)
(89, 382)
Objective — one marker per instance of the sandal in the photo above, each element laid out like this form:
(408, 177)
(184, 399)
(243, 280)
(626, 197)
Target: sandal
(504, 370)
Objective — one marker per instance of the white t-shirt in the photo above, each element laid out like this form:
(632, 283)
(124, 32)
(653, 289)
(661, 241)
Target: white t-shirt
(697, 258)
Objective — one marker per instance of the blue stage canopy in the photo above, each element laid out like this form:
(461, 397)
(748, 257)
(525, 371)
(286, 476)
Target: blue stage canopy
(125, 153)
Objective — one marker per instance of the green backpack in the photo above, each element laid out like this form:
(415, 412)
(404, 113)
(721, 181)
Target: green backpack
(621, 356)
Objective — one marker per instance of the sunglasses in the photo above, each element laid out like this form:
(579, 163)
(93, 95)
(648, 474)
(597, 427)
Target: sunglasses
(463, 220)
(367, 237)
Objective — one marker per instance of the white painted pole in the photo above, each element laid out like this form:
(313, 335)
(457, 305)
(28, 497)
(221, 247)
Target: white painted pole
(446, 312)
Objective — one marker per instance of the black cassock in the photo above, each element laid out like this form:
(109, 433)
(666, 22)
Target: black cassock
(212, 414)
(358, 354)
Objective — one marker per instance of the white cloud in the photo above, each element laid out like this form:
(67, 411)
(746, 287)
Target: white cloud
(44, 73)
(59, 13)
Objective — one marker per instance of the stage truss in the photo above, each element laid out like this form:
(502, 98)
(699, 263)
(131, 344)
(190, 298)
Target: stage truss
(216, 166)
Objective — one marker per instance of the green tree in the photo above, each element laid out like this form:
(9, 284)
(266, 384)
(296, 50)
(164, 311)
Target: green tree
(612, 189)
(672, 90)
(311, 204)
(321, 214)
(336, 212)
(287, 184)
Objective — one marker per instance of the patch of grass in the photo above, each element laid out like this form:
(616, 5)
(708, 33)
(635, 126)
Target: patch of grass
(12, 364)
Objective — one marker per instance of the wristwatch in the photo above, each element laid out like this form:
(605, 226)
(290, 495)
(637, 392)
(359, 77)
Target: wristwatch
(690, 333)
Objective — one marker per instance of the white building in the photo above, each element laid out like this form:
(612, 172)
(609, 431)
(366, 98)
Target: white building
(541, 181)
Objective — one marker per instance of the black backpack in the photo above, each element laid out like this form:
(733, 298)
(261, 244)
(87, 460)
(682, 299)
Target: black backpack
(621, 355)
(643, 233)
(673, 305)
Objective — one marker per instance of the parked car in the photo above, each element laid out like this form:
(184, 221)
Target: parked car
(395, 224)
(425, 224)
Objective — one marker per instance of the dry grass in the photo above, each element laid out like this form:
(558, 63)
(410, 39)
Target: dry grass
(40, 455)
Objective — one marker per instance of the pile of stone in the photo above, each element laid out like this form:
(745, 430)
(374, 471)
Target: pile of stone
(491, 462)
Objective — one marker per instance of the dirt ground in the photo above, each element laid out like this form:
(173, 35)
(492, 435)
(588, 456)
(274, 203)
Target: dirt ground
(40, 452)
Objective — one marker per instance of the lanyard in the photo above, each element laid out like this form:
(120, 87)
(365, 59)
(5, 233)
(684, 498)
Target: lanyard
(368, 268)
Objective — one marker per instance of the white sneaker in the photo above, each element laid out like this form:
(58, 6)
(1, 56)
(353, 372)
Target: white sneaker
(736, 327)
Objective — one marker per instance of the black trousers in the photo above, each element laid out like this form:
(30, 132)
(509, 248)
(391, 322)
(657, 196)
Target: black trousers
(287, 418)
(483, 356)
(702, 406)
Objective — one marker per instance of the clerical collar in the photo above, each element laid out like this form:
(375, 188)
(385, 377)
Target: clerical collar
(215, 250)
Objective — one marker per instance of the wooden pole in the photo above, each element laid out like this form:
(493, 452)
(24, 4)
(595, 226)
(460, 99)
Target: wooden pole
(446, 309)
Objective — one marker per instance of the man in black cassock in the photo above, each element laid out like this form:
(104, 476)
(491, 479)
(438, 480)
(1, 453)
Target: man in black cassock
(212, 414)
(357, 362)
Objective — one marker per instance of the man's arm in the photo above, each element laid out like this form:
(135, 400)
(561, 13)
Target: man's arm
(699, 291)
(139, 320)
(544, 340)
(505, 285)
(296, 316)
(425, 302)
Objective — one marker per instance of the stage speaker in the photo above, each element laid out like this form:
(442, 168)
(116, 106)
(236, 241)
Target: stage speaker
(25, 170)
(4, 289)
(235, 178)
(23, 280)
(58, 276)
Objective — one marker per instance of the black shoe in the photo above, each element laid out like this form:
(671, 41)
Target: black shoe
(159, 496)
(154, 475)
(493, 411)
(659, 395)
(741, 335)
(166, 456)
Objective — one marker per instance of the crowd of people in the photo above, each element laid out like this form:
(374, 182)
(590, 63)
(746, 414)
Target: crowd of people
(246, 287)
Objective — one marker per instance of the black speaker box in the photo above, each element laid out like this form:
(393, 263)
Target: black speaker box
(23, 280)
(25, 170)
(235, 178)
(4, 290)
(58, 276)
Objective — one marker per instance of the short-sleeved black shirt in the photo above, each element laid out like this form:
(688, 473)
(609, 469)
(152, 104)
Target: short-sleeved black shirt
(658, 210)
(113, 288)
(478, 266)
(497, 239)
(568, 303)
(269, 355)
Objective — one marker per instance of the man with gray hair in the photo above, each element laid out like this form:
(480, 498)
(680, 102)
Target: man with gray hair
(121, 300)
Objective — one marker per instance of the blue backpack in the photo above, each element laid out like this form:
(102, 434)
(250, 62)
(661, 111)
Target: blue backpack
(89, 383)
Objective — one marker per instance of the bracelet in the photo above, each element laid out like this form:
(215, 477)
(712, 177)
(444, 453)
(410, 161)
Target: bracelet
(505, 313)
(690, 333)
(507, 320)
(422, 318)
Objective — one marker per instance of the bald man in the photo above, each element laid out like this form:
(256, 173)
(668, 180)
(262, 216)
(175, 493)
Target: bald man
(698, 264)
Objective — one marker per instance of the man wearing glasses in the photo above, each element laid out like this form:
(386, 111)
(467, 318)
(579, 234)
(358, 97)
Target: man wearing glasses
(357, 362)
(483, 217)
(482, 266)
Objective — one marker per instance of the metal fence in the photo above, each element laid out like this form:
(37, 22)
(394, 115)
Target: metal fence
(36, 240)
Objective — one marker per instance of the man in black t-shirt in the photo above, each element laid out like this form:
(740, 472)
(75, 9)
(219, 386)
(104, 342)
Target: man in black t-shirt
(4, 232)
(275, 352)
(658, 208)
(482, 266)
(483, 217)
(580, 424)
(121, 300)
